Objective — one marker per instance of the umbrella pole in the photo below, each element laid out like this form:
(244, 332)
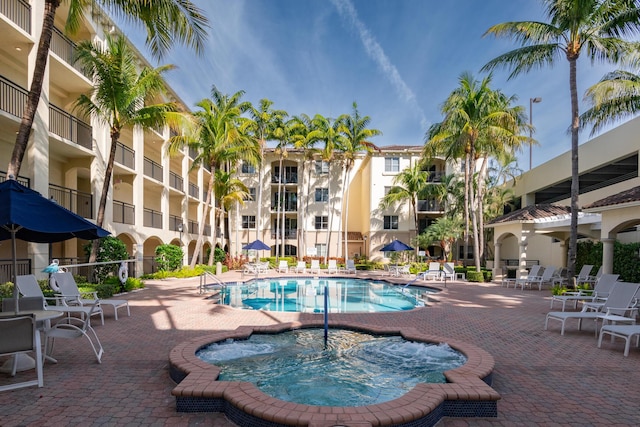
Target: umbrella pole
(15, 269)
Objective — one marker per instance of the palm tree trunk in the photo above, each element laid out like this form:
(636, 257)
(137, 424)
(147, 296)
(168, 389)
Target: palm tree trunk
(575, 185)
(260, 184)
(279, 201)
(305, 239)
(205, 211)
(346, 216)
(481, 193)
(35, 90)
(474, 215)
(115, 134)
(331, 215)
(467, 186)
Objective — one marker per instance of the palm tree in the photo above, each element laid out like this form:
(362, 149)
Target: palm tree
(228, 191)
(477, 120)
(574, 27)
(118, 99)
(356, 134)
(219, 138)
(411, 184)
(444, 231)
(331, 135)
(283, 134)
(616, 96)
(165, 21)
(261, 126)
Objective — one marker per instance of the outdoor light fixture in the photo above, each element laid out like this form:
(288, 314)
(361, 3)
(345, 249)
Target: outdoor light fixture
(180, 229)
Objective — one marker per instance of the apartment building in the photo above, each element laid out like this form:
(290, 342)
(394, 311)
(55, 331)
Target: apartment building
(155, 199)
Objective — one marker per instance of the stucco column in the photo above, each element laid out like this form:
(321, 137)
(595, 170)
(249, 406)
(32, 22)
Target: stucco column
(522, 257)
(607, 255)
(496, 260)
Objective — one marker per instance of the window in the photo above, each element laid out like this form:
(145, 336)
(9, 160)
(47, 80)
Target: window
(248, 221)
(391, 222)
(322, 194)
(322, 222)
(322, 167)
(321, 249)
(392, 164)
(387, 190)
(252, 195)
(248, 168)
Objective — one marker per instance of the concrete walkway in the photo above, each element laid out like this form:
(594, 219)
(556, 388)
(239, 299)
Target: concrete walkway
(543, 378)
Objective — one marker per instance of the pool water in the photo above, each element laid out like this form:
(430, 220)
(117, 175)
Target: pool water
(355, 368)
(307, 295)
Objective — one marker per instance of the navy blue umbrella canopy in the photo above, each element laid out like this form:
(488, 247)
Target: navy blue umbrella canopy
(258, 245)
(26, 215)
(396, 246)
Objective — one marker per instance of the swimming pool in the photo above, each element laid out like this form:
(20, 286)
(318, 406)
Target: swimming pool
(307, 295)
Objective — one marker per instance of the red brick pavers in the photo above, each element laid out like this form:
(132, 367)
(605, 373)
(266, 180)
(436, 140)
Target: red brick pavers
(542, 377)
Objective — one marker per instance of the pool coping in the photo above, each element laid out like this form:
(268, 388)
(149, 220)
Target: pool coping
(467, 393)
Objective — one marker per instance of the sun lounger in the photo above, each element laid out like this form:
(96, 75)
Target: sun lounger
(626, 332)
(600, 291)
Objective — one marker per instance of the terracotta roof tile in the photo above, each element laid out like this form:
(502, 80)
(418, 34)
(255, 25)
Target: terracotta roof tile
(627, 196)
(533, 212)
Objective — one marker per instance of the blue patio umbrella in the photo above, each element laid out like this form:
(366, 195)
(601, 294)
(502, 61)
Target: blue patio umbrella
(28, 216)
(396, 246)
(258, 245)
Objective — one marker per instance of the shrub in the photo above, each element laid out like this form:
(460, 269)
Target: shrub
(133, 283)
(106, 289)
(110, 249)
(169, 257)
(475, 276)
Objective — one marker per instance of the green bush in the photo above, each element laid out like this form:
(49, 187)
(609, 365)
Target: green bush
(475, 276)
(625, 258)
(106, 289)
(133, 283)
(110, 249)
(169, 257)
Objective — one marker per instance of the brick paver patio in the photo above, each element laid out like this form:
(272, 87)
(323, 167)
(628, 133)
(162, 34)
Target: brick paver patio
(543, 378)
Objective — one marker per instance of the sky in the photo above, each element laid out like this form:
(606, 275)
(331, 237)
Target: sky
(398, 59)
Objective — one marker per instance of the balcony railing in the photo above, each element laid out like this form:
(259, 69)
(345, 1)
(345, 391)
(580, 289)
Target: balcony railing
(288, 234)
(176, 181)
(194, 191)
(152, 218)
(287, 178)
(125, 155)
(174, 223)
(12, 97)
(23, 267)
(193, 227)
(124, 213)
(62, 46)
(21, 179)
(207, 230)
(429, 206)
(152, 169)
(74, 200)
(435, 176)
(19, 11)
(69, 127)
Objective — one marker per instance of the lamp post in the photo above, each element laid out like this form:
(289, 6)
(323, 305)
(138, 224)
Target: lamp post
(531, 102)
(180, 229)
(365, 245)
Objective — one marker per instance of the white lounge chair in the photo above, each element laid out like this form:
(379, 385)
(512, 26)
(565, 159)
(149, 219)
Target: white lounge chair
(70, 328)
(19, 335)
(545, 278)
(68, 289)
(448, 271)
(433, 273)
(520, 281)
(620, 300)
(301, 267)
(600, 291)
(29, 287)
(332, 267)
(593, 279)
(350, 267)
(283, 267)
(315, 266)
(627, 332)
(583, 274)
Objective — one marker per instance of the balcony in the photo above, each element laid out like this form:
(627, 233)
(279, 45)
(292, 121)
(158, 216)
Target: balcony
(289, 234)
(12, 97)
(435, 176)
(62, 46)
(76, 201)
(207, 230)
(429, 206)
(287, 178)
(152, 169)
(125, 155)
(152, 218)
(70, 127)
(124, 213)
(21, 179)
(175, 222)
(193, 227)
(194, 191)
(18, 11)
(176, 181)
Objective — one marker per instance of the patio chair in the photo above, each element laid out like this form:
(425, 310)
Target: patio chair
(301, 267)
(71, 328)
(626, 332)
(545, 278)
(68, 289)
(315, 266)
(583, 274)
(249, 268)
(262, 266)
(433, 273)
(448, 271)
(283, 267)
(29, 287)
(593, 279)
(19, 335)
(599, 292)
(332, 267)
(350, 267)
(619, 301)
(520, 281)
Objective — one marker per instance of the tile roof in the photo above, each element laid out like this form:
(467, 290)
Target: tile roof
(401, 148)
(532, 213)
(627, 196)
